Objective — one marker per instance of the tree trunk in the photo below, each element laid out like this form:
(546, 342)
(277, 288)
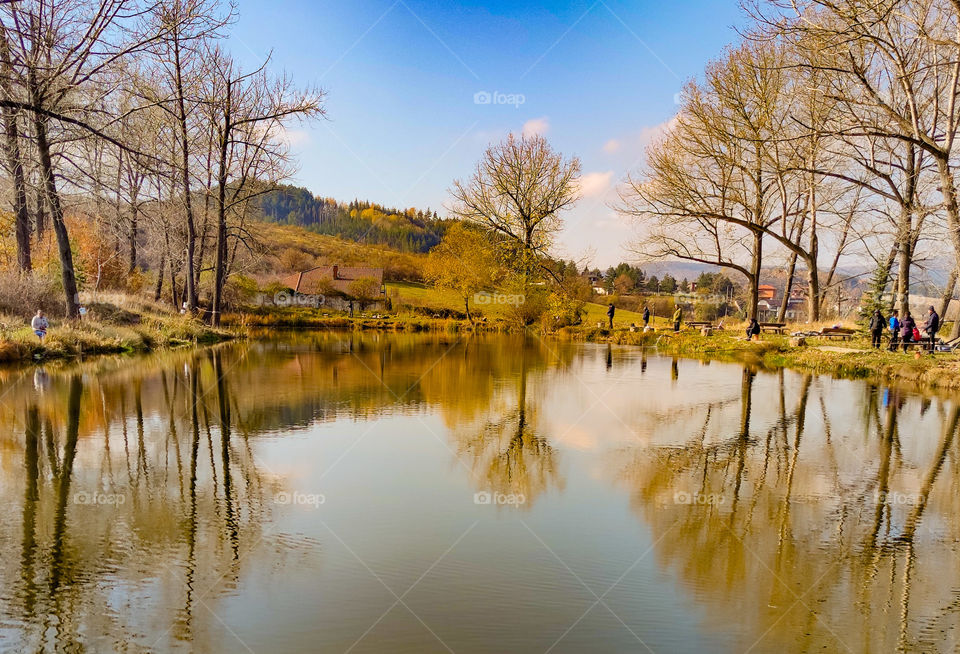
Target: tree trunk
(68, 275)
(15, 166)
(221, 262)
(40, 215)
(133, 239)
(174, 298)
(191, 286)
(755, 274)
(158, 291)
(949, 191)
(905, 259)
(787, 289)
(948, 294)
(813, 291)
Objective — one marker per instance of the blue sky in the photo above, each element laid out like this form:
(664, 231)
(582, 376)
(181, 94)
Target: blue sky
(597, 77)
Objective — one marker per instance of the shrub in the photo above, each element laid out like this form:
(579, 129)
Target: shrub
(22, 294)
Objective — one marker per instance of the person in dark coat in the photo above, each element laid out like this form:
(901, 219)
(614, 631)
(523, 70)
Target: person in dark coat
(610, 311)
(646, 317)
(907, 325)
(753, 329)
(877, 325)
(894, 330)
(931, 327)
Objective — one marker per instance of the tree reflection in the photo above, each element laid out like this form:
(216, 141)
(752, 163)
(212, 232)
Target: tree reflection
(504, 446)
(810, 535)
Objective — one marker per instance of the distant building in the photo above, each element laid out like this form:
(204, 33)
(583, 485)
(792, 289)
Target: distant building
(767, 292)
(339, 286)
(340, 279)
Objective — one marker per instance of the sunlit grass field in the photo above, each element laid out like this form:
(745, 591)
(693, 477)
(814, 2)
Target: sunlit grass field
(430, 297)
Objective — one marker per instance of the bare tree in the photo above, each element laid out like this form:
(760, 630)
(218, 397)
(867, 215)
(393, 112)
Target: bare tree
(519, 190)
(247, 113)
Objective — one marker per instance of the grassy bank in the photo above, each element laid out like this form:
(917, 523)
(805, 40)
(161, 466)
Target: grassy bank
(852, 359)
(107, 329)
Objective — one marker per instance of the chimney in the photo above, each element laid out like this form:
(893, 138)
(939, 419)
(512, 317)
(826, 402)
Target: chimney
(336, 270)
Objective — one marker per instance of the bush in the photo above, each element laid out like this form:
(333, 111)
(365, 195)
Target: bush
(22, 294)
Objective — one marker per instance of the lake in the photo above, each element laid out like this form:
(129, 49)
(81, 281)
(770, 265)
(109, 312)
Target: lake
(336, 492)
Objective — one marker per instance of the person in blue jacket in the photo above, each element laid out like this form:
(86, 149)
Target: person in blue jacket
(894, 330)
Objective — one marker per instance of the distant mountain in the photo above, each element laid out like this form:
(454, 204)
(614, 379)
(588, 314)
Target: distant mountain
(681, 269)
(406, 230)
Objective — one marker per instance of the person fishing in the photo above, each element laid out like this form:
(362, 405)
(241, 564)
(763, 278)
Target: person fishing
(931, 327)
(677, 319)
(40, 324)
(753, 329)
(895, 330)
(610, 311)
(907, 326)
(646, 317)
(877, 325)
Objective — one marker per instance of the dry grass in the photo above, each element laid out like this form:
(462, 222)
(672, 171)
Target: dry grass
(115, 324)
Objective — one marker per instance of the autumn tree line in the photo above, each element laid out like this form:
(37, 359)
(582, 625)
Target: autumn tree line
(405, 230)
(827, 136)
(129, 124)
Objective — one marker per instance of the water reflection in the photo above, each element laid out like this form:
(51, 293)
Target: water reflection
(816, 519)
(780, 510)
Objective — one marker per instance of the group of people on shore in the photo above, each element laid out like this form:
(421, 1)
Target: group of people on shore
(904, 332)
(677, 317)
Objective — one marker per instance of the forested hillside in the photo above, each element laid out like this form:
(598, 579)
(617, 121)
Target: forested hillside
(407, 230)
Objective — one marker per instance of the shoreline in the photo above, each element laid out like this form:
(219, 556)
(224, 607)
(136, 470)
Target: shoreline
(940, 372)
(94, 338)
(153, 333)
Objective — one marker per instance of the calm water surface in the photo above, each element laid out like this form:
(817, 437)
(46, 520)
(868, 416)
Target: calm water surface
(374, 493)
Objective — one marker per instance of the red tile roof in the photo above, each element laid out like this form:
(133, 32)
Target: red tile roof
(322, 279)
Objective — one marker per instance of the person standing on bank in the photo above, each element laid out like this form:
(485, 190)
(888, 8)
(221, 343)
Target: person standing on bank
(646, 317)
(610, 311)
(895, 330)
(877, 324)
(931, 327)
(39, 324)
(907, 325)
(677, 319)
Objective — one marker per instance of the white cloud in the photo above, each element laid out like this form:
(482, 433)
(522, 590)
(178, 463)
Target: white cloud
(536, 126)
(611, 146)
(595, 184)
(649, 134)
(294, 138)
